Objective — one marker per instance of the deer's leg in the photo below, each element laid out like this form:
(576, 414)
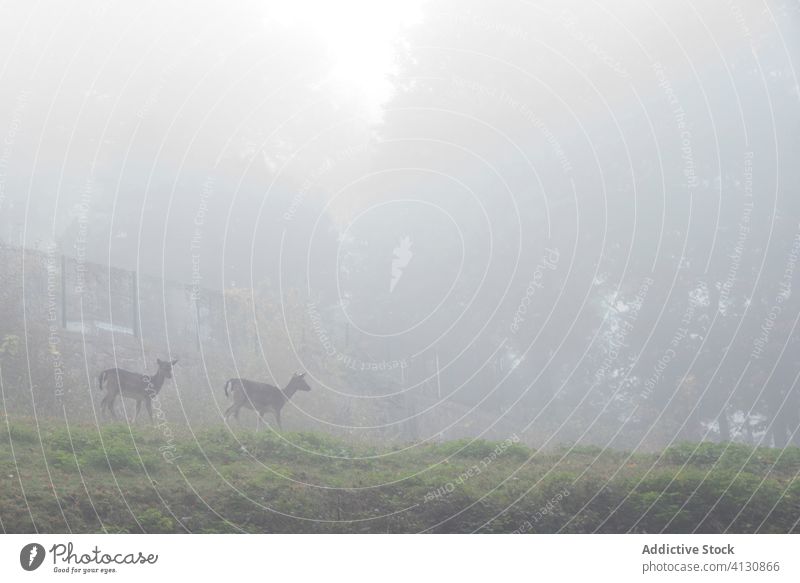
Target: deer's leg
(149, 404)
(138, 410)
(111, 400)
(124, 408)
(233, 410)
(278, 418)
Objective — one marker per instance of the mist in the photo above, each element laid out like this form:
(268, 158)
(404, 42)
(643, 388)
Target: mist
(546, 222)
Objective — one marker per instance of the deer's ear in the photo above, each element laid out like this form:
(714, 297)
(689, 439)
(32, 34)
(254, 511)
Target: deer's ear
(301, 375)
(174, 362)
(159, 361)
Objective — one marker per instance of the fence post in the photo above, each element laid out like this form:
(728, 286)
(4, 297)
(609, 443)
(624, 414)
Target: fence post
(135, 303)
(197, 322)
(438, 380)
(63, 291)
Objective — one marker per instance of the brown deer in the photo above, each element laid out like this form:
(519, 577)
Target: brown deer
(261, 396)
(140, 387)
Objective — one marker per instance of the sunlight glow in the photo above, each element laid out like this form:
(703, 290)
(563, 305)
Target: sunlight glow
(361, 37)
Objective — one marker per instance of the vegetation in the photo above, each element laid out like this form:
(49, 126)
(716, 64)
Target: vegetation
(78, 478)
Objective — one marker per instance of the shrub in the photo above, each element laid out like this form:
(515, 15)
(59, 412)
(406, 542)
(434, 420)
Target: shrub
(153, 521)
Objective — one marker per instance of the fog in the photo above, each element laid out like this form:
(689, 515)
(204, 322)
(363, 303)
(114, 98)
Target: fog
(571, 223)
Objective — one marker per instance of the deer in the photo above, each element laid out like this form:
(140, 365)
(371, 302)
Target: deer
(140, 387)
(262, 397)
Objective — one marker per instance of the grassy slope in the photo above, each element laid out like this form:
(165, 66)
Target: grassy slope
(263, 482)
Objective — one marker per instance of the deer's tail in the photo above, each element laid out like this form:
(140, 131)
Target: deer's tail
(228, 383)
(101, 379)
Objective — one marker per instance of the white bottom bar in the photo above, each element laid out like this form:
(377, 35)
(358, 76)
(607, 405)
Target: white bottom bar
(406, 558)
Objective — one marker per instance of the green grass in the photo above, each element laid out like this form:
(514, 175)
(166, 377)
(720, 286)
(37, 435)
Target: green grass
(85, 479)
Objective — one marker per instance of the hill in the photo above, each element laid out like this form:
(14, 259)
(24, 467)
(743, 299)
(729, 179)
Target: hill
(56, 478)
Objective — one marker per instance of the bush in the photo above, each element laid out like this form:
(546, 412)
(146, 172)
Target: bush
(153, 521)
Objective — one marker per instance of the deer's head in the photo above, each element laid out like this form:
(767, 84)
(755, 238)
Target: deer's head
(298, 382)
(165, 367)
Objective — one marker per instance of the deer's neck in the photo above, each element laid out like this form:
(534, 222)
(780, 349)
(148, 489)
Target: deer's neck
(289, 391)
(157, 380)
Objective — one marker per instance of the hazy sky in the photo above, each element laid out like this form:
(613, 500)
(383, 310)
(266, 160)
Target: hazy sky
(416, 168)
